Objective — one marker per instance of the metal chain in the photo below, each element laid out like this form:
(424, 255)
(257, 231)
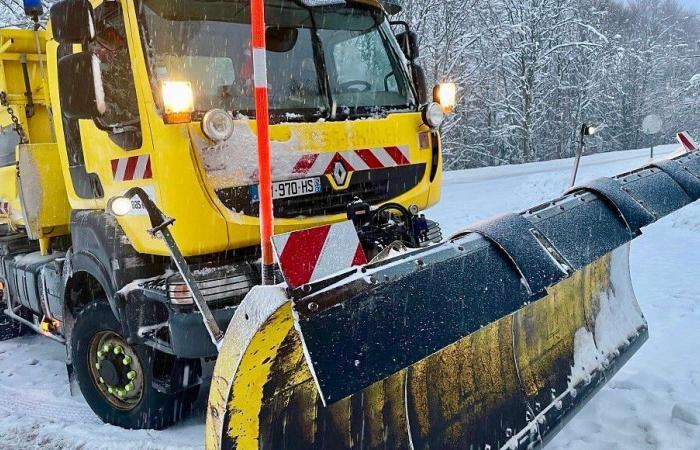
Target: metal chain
(15, 120)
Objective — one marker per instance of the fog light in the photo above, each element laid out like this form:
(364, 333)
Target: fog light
(433, 115)
(119, 206)
(217, 125)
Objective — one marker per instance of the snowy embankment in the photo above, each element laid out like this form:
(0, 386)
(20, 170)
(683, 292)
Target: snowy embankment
(654, 402)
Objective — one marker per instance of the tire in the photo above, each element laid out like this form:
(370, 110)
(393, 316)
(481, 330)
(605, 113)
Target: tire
(145, 407)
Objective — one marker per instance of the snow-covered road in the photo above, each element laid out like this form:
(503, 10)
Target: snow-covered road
(653, 403)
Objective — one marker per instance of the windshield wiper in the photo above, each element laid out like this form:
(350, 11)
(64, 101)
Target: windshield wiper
(321, 65)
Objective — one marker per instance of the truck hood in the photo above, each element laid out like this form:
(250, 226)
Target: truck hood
(235, 162)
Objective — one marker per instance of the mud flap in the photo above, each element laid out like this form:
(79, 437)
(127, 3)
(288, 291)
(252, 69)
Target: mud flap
(42, 191)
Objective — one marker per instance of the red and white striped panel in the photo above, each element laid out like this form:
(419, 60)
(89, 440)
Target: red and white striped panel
(687, 141)
(132, 168)
(354, 160)
(4, 208)
(310, 255)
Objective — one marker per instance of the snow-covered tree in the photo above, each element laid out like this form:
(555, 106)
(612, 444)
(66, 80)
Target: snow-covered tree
(532, 71)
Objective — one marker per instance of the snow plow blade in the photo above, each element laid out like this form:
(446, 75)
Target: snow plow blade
(492, 339)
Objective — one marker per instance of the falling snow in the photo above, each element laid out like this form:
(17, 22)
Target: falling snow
(653, 402)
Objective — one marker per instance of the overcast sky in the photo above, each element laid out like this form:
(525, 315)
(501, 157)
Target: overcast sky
(693, 3)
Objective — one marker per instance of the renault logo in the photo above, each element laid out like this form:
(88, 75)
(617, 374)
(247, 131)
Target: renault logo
(340, 174)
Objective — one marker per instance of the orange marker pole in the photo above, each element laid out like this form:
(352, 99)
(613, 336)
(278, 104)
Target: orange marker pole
(257, 13)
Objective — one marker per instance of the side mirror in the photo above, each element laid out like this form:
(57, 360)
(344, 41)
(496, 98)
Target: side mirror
(72, 22)
(392, 7)
(80, 86)
(408, 40)
(419, 80)
(281, 40)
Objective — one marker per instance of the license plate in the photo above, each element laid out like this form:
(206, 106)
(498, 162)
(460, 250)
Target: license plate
(291, 188)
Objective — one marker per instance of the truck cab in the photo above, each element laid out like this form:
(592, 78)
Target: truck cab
(158, 95)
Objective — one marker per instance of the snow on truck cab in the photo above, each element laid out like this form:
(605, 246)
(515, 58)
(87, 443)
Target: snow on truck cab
(158, 95)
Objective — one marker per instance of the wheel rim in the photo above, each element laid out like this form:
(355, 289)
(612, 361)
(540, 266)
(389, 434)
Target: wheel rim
(115, 370)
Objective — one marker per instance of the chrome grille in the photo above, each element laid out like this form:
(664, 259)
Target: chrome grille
(227, 288)
(220, 286)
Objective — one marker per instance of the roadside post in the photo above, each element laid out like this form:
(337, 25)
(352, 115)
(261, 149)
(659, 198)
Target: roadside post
(586, 130)
(651, 125)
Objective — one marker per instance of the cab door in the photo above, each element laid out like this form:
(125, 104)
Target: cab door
(111, 153)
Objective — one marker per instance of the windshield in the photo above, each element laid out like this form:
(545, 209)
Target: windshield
(321, 61)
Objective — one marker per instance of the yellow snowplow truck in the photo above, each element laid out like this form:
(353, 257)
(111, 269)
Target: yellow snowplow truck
(133, 236)
(157, 95)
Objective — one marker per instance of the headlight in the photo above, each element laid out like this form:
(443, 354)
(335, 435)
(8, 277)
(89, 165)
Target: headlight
(178, 101)
(119, 206)
(588, 130)
(433, 115)
(217, 125)
(446, 95)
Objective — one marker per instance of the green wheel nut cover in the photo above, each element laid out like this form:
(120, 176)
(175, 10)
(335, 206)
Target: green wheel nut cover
(127, 360)
(110, 389)
(101, 354)
(129, 387)
(97, 366)
(117, 350)
(131, 375)
(102, 380)
(106, 348)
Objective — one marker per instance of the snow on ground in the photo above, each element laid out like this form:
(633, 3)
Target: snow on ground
(653, 402)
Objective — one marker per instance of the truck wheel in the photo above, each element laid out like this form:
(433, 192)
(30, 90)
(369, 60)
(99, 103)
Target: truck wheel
(116, 378)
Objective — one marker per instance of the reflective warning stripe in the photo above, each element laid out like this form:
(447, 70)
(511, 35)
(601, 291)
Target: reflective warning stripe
(369, 159)
(310, 255)
(687, 141)
(260, 68)
(305, 164)
(399, 157)
(132, 168)
(353, 160)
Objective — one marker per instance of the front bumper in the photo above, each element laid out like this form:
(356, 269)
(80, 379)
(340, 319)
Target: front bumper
(149, 319)
(152, 317)
(189, 337)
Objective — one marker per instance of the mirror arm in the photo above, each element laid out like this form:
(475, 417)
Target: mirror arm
(407, 29)
(411, 61)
